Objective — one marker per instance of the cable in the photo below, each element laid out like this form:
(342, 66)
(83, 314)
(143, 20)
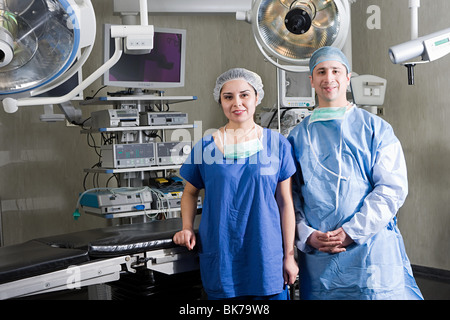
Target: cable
(90, 98)
(94, 145)
(87, 173)
(113, 176)
(80, 124)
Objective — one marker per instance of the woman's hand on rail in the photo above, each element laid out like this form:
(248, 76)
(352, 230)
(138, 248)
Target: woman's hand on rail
(185, 237)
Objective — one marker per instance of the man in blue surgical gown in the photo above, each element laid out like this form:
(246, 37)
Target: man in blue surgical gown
(351, 180)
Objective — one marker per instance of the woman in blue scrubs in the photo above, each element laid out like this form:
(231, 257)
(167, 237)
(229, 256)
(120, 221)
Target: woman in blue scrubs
(246, 234)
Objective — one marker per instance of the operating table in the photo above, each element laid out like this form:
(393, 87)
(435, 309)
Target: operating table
(97, 256)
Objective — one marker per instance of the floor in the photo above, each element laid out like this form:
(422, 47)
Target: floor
(431, 290)
(434, 286)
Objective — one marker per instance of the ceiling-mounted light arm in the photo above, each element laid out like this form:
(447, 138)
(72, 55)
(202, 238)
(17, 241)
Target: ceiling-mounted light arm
(244, 16)
(129, 38)
(414, 6)
(144, 12)
(12, 105)
(431, 47)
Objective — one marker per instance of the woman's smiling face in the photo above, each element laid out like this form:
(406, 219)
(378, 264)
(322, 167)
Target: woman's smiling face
(238, 99)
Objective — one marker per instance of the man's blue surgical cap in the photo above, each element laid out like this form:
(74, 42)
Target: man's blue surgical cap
(328, 54)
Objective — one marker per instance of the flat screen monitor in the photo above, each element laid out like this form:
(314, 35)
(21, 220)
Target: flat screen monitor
(163, 67)
(295, 89)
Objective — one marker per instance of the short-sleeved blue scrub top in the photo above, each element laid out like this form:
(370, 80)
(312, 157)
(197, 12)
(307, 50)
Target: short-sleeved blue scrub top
(240, 238)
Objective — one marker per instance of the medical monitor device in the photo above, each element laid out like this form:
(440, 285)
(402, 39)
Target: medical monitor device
(162, 68)
(368, 90)
(295, 89)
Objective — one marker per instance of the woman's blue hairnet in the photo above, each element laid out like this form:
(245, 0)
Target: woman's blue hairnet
(328, 54)
(239, 74)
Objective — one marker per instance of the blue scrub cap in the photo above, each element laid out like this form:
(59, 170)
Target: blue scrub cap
(239, 74)
(328, 54)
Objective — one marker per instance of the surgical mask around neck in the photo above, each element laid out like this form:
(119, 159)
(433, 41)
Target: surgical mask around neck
(328, 114)
(241, 150)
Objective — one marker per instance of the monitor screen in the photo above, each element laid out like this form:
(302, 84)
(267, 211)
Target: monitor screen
(295, 89)
(163, 67)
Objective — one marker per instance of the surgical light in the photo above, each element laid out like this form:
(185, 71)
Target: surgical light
(39, 40)
(47, 37)
(42, 44)
(8, 30)
(290, 31)
(430, 47)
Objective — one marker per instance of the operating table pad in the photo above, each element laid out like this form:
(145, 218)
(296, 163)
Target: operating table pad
(34, 257)
(57, 253)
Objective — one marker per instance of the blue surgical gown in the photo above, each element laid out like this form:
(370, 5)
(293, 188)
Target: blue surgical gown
(351, 174)
(240, 238)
